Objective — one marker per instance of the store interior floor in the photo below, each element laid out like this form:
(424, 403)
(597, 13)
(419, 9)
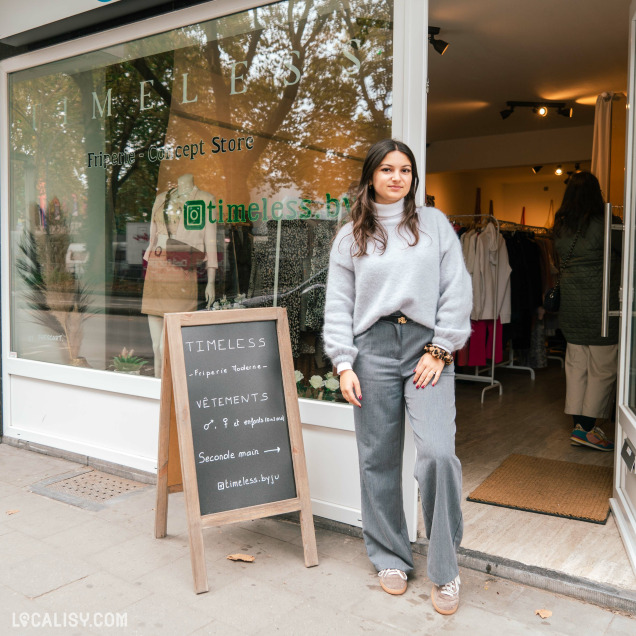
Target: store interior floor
(528, 419)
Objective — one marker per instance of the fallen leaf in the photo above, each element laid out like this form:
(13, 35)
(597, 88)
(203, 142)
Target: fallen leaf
(543, 613)
(12, 512)
(248, 558)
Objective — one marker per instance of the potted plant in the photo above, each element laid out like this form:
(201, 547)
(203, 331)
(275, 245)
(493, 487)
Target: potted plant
(126, 362)
(57, 299)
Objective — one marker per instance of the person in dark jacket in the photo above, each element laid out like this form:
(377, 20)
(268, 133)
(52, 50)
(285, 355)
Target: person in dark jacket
(590, 360)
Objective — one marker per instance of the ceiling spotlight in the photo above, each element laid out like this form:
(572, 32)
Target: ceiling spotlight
(439, 45)
(559, 171)
(536, 169)
(538, 108)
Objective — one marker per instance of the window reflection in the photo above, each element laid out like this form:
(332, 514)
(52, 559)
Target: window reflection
(206, 166)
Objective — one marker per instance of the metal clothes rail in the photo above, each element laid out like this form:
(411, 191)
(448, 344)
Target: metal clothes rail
(479, 377)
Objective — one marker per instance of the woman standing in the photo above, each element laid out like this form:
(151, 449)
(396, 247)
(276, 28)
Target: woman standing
(398, 303)
(590, 360)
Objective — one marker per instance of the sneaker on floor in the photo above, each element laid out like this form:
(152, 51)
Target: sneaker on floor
(577, 435)
(595, 438)
(393, 581)
(446, 597)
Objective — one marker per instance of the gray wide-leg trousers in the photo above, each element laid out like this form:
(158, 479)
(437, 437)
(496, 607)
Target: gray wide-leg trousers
(387, 356)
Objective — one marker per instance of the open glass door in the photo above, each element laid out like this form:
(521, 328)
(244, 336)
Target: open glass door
(624, 500)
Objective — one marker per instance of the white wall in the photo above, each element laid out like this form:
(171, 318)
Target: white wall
(455, 193)
(556, 145)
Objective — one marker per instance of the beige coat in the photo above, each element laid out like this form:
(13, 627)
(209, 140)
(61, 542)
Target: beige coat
(169, 288)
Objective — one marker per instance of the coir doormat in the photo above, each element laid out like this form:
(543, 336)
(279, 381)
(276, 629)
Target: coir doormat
(550, 487)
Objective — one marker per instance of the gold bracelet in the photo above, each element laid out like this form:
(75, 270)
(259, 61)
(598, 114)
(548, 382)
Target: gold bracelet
(439, 353)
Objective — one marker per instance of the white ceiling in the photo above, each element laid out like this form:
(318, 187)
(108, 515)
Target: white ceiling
(500, 50)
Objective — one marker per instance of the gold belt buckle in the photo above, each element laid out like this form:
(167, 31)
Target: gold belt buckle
(402, 320)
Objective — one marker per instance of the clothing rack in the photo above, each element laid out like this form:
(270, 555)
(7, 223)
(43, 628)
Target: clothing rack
(479, 377)
(518, 227)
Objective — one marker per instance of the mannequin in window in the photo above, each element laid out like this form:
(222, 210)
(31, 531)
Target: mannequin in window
(170, 284)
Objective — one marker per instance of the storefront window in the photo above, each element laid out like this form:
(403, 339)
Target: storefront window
(206, 166)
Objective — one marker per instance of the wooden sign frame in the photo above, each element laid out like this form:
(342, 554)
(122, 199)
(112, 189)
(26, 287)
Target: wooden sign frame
(176, 469)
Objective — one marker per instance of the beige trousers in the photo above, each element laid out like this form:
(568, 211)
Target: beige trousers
(590, 374)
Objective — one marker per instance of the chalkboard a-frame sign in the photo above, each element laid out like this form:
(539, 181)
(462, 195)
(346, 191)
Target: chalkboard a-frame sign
(229, 426)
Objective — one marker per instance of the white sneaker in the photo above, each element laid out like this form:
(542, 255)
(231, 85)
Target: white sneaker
(445, 598)
(393, 581)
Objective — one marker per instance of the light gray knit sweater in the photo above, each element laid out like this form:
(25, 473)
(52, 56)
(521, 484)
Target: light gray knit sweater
(427, 282)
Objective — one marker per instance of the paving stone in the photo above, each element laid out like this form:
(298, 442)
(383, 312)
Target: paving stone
(158, 614)
(109, 561)
(275, 528)
(248, 604)
(566, 616)
(313, 618)
(16, 612)
(489, 593)
(406, 613)
(337, 545)
(133, 558)
(270, 554)
(621, 626)
(20, 473)
(335, 583)
(16, 546)
(274, 562)
(219, 542)
(89, 538)
(41, 517)
(143, 521)
(479, 622)
(43, 573)
(177, 577)
(218, 628)
(99, 592)
(7, 489)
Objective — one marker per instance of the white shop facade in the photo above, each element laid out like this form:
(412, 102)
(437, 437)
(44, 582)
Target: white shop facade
(267, 110)
(261, 113)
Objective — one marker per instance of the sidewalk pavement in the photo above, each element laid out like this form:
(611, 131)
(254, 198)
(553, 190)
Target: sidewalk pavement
(65, 569)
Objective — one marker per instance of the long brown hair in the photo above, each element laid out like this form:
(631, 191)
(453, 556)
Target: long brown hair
(582, 201)
(363, 214)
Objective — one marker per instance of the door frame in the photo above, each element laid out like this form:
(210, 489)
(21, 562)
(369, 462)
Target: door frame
(623, 502)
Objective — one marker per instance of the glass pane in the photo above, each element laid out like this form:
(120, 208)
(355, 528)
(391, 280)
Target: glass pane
(631, 344)
(205, 166)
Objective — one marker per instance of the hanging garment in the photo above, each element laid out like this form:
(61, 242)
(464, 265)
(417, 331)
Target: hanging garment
(321, 234)
(469, 246)
(293, 249)
(468, 241)
(169, 288)
(461, 356)
(525, 286)
(538, 354)
(480, 345)
(491, 276)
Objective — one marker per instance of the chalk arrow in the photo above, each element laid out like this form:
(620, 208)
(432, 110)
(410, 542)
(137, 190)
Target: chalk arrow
(273, 450)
